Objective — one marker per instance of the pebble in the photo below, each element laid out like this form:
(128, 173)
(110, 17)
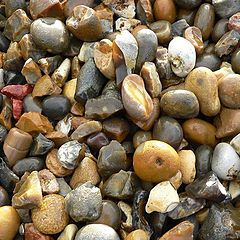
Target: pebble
(151, 79)
(214, 228)
(41, 145)
(208, 187)
(17, 25)
(69, 90)
(84, 203)
(97, 231)
(126, 212)
(56, 107)
(227, 123)
(85, 24)
(168, 130)
(34, 122)
(111, 215)
(50, 34)
(10, 222)
(50, 217)
(187, 165)
(49, 64)
(204, 20)
(69, 232)
(136, 100)
(235, 61)
(4, 197)
(179, 27)
(164, 10)
(86, 171)
(226, 8)
(199, 132)
(28, 164)
(126, 24)
(48, 182)
(203, 83)
(225, 162)
(70, 154)
(16, 145)
(183, 231)
(90, 82)
(203, 159)
(64, 187)
(208, 60)
(31, 104)
(182, 59)
(147, 46)
(220, 28)
(30, 232)
(54, 165)
(4, 43)
(97, 140)
(58, 138)
(180, 104)
(155, 161)
(121, 185)
(162, 198)
(235, 143)
(138, 234)
(30, 193)
(141, 137)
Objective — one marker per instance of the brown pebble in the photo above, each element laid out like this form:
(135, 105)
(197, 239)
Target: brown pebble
(34, 122)
(57, 137)
(138, 234)
(86, 171)
(55, 166)
(199, 132)
(9, 222)
(16, 145)
(229, 90)
(164, 10)
(183, 231)
(50, 217)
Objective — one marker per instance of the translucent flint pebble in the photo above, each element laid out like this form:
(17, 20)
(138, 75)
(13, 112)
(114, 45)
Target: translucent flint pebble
(182, 56)
(225, 161)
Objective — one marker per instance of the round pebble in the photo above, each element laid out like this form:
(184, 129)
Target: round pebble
(155, 161)
(50, 217)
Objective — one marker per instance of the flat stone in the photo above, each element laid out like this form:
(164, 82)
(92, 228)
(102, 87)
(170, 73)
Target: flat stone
(84, 203)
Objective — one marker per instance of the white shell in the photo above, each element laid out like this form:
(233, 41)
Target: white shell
(225, 161)
(182, 56)
(162, 198)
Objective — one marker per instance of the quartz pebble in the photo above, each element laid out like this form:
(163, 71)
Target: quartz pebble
(84, 203)
(162, 198)
(225, 161)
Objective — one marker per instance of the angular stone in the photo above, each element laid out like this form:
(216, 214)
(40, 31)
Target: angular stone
(90, 82)
(221, 223)
(48, 182)
(17, 25)
(47, 8)
(4, 43)
(11, 6)
(6, 117)
(28, 164)
(58, 138)
(45, 86)
(97, 140)
(65, 125)
(208, 187)
(70, 154)
(86, 171)
(49, 64)
(69, 89)
(64, 187)
(121, 185)
(183, 231)
(17, 106)
(86, 129)
(29, 194)
(29, 49)
(60, 75)
(33, 123)
(111, 159)
(3, 133)
(13, 58)
(162, 198)
(31, 71)
(17, 91)
(84, 203)
(187, 206)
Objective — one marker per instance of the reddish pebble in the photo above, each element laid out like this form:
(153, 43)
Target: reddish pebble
(17, 91)
(17, 106)
(234, 22)
(31, 233)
